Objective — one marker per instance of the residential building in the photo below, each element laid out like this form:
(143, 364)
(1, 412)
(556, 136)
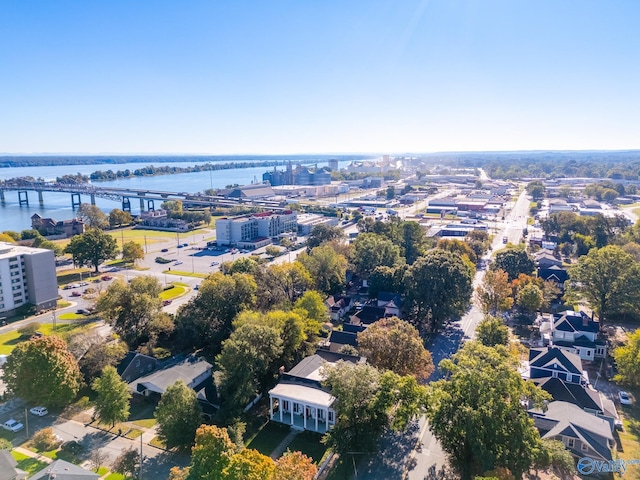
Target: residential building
(338, 306)
(27, 276)
(307, 221)
(300, 400)
(577, 333)
(63, 470)
(583, 434)
(134, 365)
(258, 229)
(49, 226)
(391, 302)
(552, 362)
(9, 467)
(193, 371)
(160, 220)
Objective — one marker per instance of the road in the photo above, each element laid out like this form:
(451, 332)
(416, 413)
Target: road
(416, 454)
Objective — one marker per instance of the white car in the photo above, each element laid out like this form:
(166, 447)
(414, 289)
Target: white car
(625, 398)
(39, 411)
(178, 262)
(12, 425)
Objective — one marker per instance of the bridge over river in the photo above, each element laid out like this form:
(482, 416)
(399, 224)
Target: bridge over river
(147, 198)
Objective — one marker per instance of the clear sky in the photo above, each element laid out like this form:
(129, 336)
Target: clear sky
(316, 76)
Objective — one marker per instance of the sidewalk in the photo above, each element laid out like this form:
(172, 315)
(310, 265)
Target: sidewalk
(31, 454)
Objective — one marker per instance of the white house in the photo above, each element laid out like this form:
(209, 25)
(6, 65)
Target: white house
(577, 333)
(300, 400)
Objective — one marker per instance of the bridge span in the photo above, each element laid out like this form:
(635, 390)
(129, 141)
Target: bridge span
(147, 198)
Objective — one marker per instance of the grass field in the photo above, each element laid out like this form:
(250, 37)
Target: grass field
(28, 464)
(70, 316)
(629, 448)
(310, 444)
(185, 273)
(269, 437)
(9, 340)
(171, 293)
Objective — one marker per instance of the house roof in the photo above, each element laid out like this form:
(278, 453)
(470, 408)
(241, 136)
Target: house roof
(160, 380)
(350, 327)
(64, 471)
(573, 393)
(571, 421)
(368, 315)
(570, 321)
(9, 467)
(309, 367)
(546, 357)
(134, 365)
(303, 393)
(344, 338)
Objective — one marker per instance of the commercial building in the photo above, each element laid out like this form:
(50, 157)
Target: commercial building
(255, 230)
(27, 276)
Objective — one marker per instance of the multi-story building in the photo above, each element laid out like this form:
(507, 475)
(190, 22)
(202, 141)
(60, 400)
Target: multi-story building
(255, 230)
(27, 276)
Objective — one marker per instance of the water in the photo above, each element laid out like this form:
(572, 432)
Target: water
(58, 205)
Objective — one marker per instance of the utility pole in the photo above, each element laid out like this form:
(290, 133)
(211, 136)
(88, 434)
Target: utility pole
(141, 458)
(26, 421)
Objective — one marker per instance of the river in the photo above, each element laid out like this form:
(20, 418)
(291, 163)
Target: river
(58, 205)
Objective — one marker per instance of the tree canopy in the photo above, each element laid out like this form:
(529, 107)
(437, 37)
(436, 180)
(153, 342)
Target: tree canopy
(514, 261)
(327, 268)
(607, 278)
(494, 293)
(393, 344)
(179, 415)
(627, 359)
(92, 248)
(491, 332)
(476, 412)
(92, 216)
(43, 371)
(112, 397)
(323, 233)
(132, 252)
(371, 250)
(438, 286)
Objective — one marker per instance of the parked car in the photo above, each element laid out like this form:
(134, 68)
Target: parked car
(106, 277)
(75, 293)
(166, 302)
(164, 250)
(39, 411)
(505, 239)
(12, 425)
(178, 262)
(625, 398)
(213, 264)
(83, 284)
(67, 287)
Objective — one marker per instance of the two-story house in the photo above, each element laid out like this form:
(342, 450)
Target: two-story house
(577, 333)
(552, 362)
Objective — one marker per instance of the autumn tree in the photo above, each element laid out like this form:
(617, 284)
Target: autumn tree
(132, 309)
(328, 268)
(393, 344)
(92, 248)
(476, 412)
(367, 403)
(295, 466)
(514, 261)
(249, 464)
(119, 217)
(438, 286)
(132, 252)
(627, 359)
(112, 397)
(491, 332)
(211, 453)
(43, 371)
(92, 216)
(179, 415)
(494, 293)
(205, 321)
(607, 278)
(457, 246)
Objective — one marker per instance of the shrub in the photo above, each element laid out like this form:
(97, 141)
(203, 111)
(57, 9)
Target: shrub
(29, 329)
(45, 439)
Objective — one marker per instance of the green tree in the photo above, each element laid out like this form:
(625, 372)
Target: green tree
(211, 454)
(393, 344)
(491, 332)
(43, 371)
(323, 233)
(494, 293)
(438, 286)
(119, 217)
(132, 252)
(327, 268)
(514, 261)
(92, 216)
(607, 278)
(295, 466)
(132, 308)
(206, 319)
(97, 356)
(457, 246)
(112, 397)
(476, 413)
(249, 464)
(313, 304)
(179, 415)
(245, 362)
(414, 241)
(368, 402)
(127, 462)
(530, 297)
(627, 359)
(92, 248)
(371, 250)
(555, 455)
(536, 189)
(387, 279)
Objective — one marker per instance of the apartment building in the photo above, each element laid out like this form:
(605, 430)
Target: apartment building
(252, 231)
(27, 276)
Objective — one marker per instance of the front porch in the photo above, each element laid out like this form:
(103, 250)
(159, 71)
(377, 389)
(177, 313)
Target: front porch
(301, 407)
(298, 421)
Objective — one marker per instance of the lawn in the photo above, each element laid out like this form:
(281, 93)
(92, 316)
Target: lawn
(629, 447)
(145, 422)
(342, 469)
(28, 464)
(310, 444)
(185, 273)
(9, 340)
(73, 276)
(115, 476)
(70, 316)
(269, 437)
(174, 292)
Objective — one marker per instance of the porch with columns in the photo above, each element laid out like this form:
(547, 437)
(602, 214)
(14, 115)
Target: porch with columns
(302, 407)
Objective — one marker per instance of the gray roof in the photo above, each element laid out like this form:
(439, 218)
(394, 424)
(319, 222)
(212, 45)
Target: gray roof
(160, 380)
(307, 366)
(543, 357)
(65, 471)
(9, 467)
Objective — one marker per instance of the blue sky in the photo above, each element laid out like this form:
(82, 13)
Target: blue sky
(316, 76)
